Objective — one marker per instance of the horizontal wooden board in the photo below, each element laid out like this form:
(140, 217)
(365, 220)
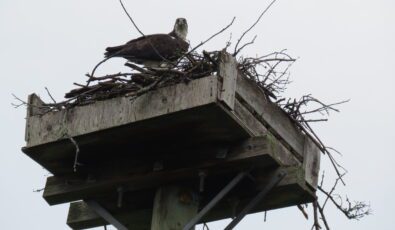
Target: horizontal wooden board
(119, 111)
(135, 215)
(255, 152)
(275, 119)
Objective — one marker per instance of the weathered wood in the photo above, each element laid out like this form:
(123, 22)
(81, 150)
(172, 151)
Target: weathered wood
(173, 208)
(258, 152)
(228, 71)
(270, 114)
(120, 111)
(255, 127)
(311, 162)
(193, 127)
(80, 216)
(290, 191)
(34, 104)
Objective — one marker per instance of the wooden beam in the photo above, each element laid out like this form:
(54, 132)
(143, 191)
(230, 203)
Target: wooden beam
(275, 119)
(290, 191)
(173, 208)
(259, 152)
(120, 111)
(311, 162)
(228, 71)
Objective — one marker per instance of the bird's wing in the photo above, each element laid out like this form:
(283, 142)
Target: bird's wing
(151, 47)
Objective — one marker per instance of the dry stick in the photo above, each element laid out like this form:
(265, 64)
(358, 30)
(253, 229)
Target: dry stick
(331, 191)
(134, 24)
(112, 76)
(18, 105)
(316, 225)
(212, 36)
(236, 51)
(77, 152)
(300, 207)
(96, 66)
(323, 216)
(344, 211)
(50, 95)
(131, 19)
(145, 89)
(138, 68)
(247, 44)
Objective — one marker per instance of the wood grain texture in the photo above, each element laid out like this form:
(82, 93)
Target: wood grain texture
(311, 162)
(228, 72)
(120, 111)
(173, 208)
(270, 114)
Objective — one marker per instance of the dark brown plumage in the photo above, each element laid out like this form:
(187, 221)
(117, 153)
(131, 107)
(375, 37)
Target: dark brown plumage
(156, 48)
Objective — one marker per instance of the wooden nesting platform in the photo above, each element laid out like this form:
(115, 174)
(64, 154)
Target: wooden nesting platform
(217, 125)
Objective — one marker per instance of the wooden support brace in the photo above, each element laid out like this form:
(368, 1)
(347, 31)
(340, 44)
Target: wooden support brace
(290, 191)
(105, 214)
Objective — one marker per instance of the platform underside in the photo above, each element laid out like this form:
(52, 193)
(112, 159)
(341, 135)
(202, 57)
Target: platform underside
(200, 126)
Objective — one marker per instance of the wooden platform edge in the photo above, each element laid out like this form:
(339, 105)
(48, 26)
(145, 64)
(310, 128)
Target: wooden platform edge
(100, 115)
(275, 119)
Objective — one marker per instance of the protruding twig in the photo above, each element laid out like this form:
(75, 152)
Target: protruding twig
(252, 26)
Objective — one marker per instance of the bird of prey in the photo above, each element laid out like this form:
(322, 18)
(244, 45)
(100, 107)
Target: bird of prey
(154, 50)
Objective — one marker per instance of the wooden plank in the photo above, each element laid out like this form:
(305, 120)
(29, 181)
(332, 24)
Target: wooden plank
(255, 127)
(34, 103)
(173, 208)
(228, 71)
(80, 216)
(276, 120)
(120, 111)
(311, 162)
(259, 151)
(290, 191)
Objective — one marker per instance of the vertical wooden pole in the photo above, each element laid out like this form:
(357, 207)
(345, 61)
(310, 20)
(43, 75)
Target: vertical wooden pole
(173, 208)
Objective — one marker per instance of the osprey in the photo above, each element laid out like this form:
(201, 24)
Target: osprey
(156, 49)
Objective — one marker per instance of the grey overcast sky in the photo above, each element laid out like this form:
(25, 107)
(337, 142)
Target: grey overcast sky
(345, 48)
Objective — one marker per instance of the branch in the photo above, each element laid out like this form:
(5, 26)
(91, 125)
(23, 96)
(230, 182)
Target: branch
(256, 22)
(142, 34)
(214, 35)
(351, 211)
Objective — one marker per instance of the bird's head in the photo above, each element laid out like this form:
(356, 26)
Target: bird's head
(181, 28)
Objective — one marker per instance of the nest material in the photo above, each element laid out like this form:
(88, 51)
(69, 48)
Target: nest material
(141, 80)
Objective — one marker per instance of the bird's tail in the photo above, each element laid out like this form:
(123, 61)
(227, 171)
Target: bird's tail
(112, 51)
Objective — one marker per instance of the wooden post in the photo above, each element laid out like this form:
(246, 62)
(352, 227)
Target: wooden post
(173, 208)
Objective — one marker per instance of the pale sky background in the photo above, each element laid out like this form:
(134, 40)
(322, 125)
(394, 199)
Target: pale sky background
(346, 50)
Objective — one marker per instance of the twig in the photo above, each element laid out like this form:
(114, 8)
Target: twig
(142, 34)
(50, 95)
(22, 102)
(77, 151)
(212, 36)
(256, 22)
(243, 46)
(316, 224)
(300, 207)
(131, 19)
(321, 210)
(356, 211)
